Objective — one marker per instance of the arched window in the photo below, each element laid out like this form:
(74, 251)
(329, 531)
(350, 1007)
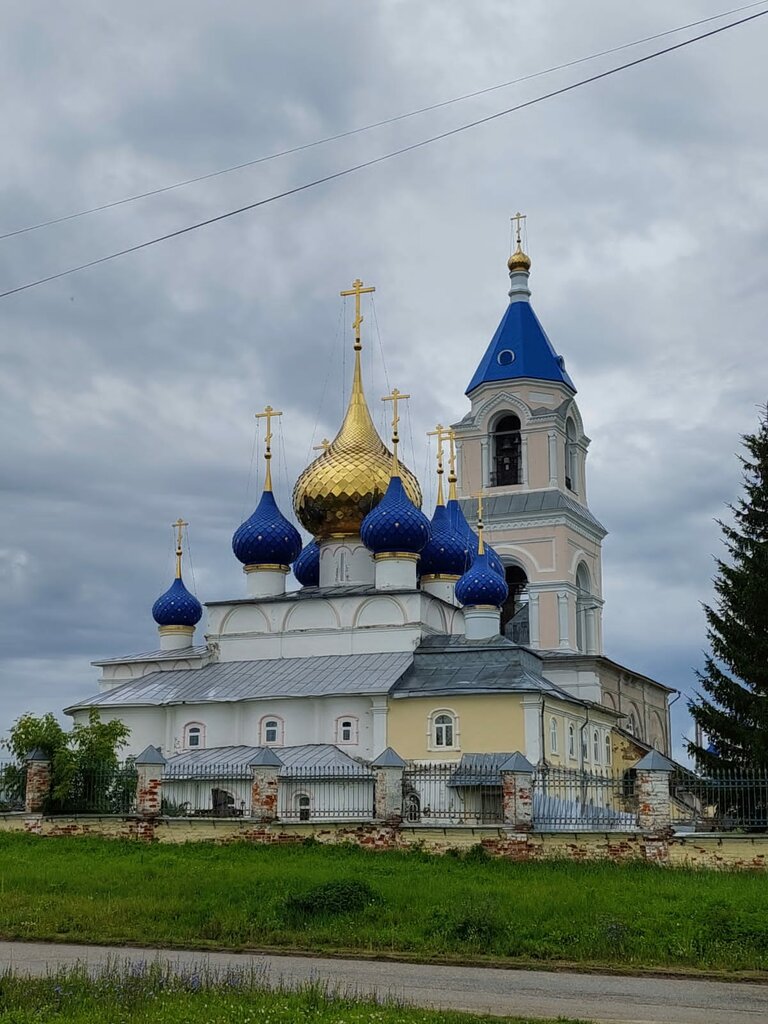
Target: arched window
(507, 452)
(584, 604)
(444, 731)
(632, 725)
(302, 804)
(514, 611)
(608, 749)
(346, 729)
(572, 741)
(571, 456)
(596, 746)
(553, 735)
(272, 730)
(584, 744)
(194, 735)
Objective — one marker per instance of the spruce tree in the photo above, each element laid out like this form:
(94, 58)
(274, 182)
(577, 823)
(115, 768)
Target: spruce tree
(732, 707)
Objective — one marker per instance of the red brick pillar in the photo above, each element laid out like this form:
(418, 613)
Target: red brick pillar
(517, 793)
(38, 783)
(264, 786)
(150, 765)
(654, 801)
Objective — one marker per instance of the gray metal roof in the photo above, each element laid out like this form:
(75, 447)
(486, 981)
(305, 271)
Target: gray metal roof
(389, 758)
(181, 654)
(455, 665)
(500, 506)
(314, 759)
(249, 680)
(479, 770)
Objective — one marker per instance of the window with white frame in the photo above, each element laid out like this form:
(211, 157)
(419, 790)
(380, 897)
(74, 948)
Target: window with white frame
(553, 735)
(444, 731)
(584, 744)
(346, 729)
(272, 729)
(608, 749)
(194, 735)
(572, 741)
(596, 746)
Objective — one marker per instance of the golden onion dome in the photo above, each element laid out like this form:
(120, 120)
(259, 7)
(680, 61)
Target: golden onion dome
(518, 260)
(337, 491)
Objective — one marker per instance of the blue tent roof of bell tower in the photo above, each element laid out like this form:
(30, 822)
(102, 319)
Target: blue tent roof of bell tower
(520, 348)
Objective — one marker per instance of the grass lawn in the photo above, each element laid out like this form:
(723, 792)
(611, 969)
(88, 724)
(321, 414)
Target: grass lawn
(151, 994)
(343, 899)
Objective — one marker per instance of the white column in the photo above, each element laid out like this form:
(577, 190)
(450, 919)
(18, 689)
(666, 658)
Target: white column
(591, 637)
(533, 619)
(379, 723)
(485, 468)
(552, 438)
(524, 459)
(395, 570)
(265, 580)
(176, 638)
(562, 619)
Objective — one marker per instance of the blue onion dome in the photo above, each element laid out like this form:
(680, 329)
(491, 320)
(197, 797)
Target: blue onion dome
(470, 539)
(395, 524)
(482, 585)
(177, 607)
(267, 538)
(306, 568)
(447, 553)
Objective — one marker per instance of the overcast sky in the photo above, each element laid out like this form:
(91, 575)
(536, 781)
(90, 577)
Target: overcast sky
(127, 392)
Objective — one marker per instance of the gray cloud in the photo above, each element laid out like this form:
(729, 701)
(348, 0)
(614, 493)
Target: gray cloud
(127, 392)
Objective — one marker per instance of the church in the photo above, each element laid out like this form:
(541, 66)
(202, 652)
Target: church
(406, 631)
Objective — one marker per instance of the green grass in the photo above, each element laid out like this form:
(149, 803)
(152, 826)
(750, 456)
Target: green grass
(627, 916)
(153, 994)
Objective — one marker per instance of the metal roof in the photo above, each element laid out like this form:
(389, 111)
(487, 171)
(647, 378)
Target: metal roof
(455, 665)
(178, 655)
(529, 502)
(315, 759)
(249, 680)
(479, 770)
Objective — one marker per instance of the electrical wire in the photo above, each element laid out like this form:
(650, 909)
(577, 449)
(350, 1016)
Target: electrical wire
(375, 124)
(380, 159)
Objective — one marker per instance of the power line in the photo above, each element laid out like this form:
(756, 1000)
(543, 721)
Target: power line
(375, 124)
(379, 159)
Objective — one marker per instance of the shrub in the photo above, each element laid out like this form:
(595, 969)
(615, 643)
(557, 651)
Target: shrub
(329, 898)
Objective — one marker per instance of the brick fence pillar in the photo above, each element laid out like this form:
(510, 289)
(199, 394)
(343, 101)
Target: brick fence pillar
(517, 793)
(38, 781)
(266, 767)
(388, 771)
(652, 775)
(150, 765)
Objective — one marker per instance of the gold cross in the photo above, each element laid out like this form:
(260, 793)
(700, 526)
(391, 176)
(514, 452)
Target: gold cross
(324, 445)
(441, 433)
(357, 290)
(178, 526)
(517, 219)
(269, 414)
(395, 397)
(451, 455)
(480, 545)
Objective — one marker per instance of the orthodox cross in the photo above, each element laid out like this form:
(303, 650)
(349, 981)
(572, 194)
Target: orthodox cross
(178, 526)
(357, 290)
(324, 445)
(481, 547)
(452, 460)
(442, 434)
(394, 397)
(269, 414)
(518, 218)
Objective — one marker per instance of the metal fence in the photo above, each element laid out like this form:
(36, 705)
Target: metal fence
(207, 791)
(722, 801)
(451, 794)
(100, 789)
(566, 800)
(13, 785)
(338, 793)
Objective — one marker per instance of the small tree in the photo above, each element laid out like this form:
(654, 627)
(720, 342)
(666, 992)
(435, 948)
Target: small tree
(732, 708)
(83, 760)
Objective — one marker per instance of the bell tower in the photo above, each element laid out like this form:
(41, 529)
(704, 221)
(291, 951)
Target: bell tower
(523, 444)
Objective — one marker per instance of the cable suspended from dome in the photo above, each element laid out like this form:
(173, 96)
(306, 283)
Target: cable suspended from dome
(267, 542)
(396, 530)
(481, 590)
(459, 521)
(177, 612)
(446, 557)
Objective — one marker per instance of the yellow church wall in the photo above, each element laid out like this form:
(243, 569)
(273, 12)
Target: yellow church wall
(487, 723)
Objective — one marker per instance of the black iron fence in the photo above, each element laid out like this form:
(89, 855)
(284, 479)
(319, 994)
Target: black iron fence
(339, 793)
(13, 786)
(206, 791)
(101, 788)
(567, 800)
(722, 801)
(451, 794)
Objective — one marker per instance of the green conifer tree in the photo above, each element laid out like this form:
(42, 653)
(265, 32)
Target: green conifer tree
(732, 707)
